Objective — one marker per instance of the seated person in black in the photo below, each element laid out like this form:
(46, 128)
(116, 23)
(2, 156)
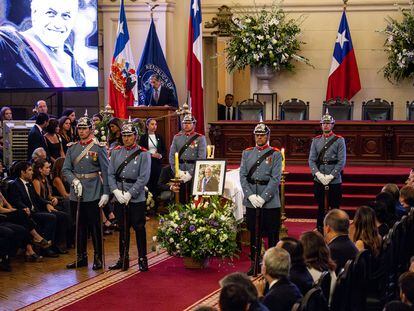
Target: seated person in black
(283, 294)
(41, 172)
(336, 234)
(23, 196)
(298, 274)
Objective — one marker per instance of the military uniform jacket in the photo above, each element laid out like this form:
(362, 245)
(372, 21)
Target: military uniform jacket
(269, 170)
(197, 150)
(95, 161)
(336, 153)
(139, 169)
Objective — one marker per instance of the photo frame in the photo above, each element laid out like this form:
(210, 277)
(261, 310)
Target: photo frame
(209, 177)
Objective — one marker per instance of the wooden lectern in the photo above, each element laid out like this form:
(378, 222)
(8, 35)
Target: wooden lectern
(166, 118)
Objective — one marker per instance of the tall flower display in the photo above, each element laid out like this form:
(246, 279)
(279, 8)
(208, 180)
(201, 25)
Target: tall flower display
(265, 37)
(399, 46)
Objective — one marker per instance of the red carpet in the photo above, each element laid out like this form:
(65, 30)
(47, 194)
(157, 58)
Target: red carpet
(168, 286)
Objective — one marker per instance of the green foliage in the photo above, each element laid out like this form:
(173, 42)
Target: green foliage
(208, 230)
(264, 38)
(399, 47)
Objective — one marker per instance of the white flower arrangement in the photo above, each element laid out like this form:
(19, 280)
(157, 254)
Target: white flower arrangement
(264, 38)
(399, 45)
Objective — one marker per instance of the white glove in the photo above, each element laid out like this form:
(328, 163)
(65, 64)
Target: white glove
(320, 176)
(186, 177)
(127, 196)
(119, 196)
(254, 200)
(77, 187)
(260, 200)
(329, 178)
(104, 199)
(181, 174)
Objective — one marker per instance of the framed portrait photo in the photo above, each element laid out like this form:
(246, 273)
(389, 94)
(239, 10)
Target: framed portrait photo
(209, 177)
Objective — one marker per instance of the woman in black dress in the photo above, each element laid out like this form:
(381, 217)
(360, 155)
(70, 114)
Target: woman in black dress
(65, 132)
(53, 140)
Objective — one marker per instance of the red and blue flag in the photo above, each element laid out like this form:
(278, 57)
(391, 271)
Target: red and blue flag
(343, 81)
(195, 64)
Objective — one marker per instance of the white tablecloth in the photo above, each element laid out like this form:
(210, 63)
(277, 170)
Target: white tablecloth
(233, 191)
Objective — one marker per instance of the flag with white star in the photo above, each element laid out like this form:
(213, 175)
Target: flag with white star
(343, 81)
(122, 77)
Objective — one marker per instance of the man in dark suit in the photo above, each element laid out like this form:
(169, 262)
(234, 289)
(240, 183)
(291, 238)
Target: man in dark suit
(282, 294)
(336, 232)
(154, 143)
(36, 138)
(209, 182)
(227, 112)
(22, 195)
(159, 95)
(40, 107)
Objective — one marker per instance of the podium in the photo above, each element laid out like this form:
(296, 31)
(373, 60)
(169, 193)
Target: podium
(167, 125)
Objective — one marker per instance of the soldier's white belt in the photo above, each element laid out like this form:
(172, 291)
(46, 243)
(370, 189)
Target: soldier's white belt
(87, 176)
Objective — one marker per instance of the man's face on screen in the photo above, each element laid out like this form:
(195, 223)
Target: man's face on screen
(53, 20)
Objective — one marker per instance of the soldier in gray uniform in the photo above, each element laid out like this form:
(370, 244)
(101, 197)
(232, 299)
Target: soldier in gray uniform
(327, 159)
(86, 169)
(260, 173)
(129, 172)
(190, 146)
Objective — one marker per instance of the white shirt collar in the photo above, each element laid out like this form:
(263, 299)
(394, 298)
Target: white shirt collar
(273, 283)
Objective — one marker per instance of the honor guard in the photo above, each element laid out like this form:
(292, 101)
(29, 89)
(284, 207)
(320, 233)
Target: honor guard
(86, 169)
(190, 146)
(129, 172)
(327, 159)
(260, 173)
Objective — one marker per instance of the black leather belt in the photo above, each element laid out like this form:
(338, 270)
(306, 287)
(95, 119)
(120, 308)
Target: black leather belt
(188, 161)
(328, 162)
(126, 180)
(256, 181)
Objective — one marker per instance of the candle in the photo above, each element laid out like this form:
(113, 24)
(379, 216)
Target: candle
(177, 165)
(208, 151)
(283, 159)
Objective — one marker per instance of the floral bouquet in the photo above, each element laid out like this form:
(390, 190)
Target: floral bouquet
(200, 232)
(264, 38)
(399, 47)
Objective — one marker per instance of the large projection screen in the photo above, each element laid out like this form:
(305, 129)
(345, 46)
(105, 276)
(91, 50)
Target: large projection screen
(48, 44)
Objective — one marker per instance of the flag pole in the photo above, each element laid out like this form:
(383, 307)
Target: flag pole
(345, 4)
(152, 6)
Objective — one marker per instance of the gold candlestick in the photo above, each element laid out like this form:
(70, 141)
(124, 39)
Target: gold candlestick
(283, 229)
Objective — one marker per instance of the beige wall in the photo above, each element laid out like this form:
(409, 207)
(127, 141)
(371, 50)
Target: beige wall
(365, 18)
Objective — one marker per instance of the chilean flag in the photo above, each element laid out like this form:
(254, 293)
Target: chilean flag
(122, 78)
(343, 81)
(195, 65)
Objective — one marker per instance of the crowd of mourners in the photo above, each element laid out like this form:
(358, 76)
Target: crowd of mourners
(36, 220)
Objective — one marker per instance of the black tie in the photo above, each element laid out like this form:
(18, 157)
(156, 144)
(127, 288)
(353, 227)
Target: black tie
(30, 189)
(228, 113)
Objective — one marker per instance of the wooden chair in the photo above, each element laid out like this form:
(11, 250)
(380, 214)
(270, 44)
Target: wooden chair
(410, 111)
(294, 109)
(339, 109)
(342, 292)
(324, 283)
(250, 109)
(377, 110)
